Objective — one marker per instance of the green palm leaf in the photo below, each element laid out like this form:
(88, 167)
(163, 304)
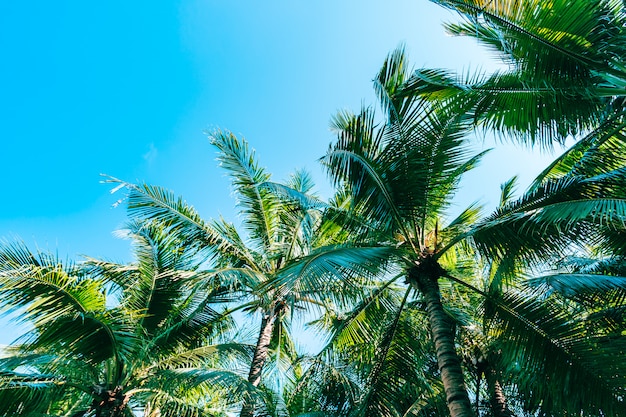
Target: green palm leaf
(155, 203)
(553, 345)
(258, 206)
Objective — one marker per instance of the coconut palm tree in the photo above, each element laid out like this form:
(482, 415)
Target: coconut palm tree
(288, 236)
(402, 174)
(525, 350)
(113, 340)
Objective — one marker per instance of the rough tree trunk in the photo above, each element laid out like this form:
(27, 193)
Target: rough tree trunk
(497, 399)
(109, 402)
(261, 352)
(425, 277)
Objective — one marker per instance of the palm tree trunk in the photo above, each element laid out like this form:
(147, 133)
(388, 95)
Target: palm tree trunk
(497, 399)
(261, 352)
(425, 277)
(109, 402)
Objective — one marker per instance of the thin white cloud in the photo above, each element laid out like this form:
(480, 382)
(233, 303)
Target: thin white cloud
(152, 154)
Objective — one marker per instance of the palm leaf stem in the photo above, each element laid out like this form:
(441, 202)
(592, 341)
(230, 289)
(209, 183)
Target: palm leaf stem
(465, 284)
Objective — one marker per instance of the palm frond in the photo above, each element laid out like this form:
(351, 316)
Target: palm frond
(600, 150)
(559, 355)
(46, 285)
(564, 65)
(553, 217)
(156, 203)
(233, 386)
(594, 290)
(26, 395)
(258, 207)
(583, 33)
(331, 270)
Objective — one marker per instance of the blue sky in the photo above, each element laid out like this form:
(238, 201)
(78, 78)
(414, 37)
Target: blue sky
(126, 88)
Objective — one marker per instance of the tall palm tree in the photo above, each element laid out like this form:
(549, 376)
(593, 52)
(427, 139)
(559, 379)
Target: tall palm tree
(565, 67)
(287, 236)
(514, 339)
(402, 174)
(113, 340)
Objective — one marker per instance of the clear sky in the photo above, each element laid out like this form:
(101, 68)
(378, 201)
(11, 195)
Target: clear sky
(126, 88)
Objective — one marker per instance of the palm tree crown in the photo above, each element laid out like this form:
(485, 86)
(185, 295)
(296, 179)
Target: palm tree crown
(108, 339)
(401, 176)
(289, 237)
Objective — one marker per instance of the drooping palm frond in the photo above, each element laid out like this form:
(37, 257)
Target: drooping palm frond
(26, 395)
(199, 356)
(599, 151)
(190, 324)
(553, 109)
(580, 37)
(155, 203)
(28, 277)
(292, 193)
(331, 272)
(549, 354)
(172, 386)
(552, 217)
(43, 381)
(594, 264)
(564, 67)
(568, 284)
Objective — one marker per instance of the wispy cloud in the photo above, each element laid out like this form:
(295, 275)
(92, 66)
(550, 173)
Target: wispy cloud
(152, 154)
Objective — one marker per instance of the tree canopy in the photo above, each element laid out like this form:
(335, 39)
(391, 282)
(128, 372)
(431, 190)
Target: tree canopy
(421, 310)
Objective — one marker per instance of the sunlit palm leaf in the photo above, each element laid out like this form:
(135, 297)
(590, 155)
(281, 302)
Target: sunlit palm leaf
(150, 202)
(565, 65)
(257, 205)
(320, 271)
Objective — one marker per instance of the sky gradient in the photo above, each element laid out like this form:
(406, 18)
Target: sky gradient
(128, 88)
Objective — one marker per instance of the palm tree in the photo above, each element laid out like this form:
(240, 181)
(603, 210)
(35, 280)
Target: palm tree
(527, 352)
(111, 340)
(565, 67)
(288, 237)
(401, 176)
